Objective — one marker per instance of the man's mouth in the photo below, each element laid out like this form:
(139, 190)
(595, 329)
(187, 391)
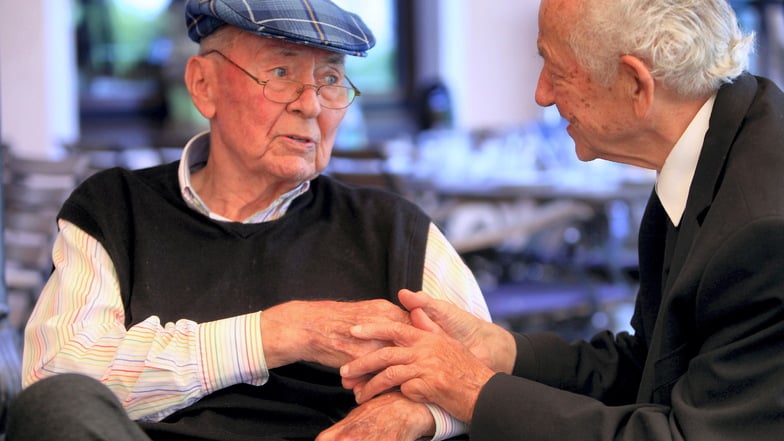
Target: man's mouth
(300, 138)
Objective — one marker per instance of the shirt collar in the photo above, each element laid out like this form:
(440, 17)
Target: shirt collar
(674, 180)
(194, 157)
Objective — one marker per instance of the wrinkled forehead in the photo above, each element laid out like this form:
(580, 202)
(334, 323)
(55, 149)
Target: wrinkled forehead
(557, 19)
(558, 15)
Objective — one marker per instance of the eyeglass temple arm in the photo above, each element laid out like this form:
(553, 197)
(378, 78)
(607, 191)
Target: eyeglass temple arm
(357, 92)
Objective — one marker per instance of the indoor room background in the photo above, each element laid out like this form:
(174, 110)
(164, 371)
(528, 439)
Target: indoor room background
(447, 118)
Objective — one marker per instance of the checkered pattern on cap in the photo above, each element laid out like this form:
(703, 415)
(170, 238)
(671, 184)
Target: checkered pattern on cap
(319, 23)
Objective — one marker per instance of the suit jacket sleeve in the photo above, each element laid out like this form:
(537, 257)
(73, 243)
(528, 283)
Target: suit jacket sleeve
(732, 387)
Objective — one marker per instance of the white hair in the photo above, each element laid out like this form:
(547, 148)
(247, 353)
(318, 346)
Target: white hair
(691, 46)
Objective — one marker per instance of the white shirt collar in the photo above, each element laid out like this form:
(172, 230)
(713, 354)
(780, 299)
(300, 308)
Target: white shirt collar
(194, 156)
(674, 180)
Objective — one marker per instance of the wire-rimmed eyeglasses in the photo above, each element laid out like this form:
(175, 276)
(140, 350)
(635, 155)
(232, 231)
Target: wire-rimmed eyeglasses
(283, 91)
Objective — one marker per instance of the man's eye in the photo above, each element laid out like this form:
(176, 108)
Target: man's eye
(279, 72)
(554, 75)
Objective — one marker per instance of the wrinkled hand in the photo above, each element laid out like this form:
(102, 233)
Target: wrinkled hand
(429, 367)
(388, 417)
(487, 341)
(318, 331)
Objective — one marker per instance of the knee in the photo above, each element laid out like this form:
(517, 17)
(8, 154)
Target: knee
(62, 396)
(59, 390)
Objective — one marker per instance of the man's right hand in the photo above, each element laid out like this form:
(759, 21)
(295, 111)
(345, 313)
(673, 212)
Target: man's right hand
(318, 331)
(427, 367)
(490, 343)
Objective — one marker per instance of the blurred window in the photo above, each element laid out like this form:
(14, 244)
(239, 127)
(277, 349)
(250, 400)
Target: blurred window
(377, 73)
(131, 52)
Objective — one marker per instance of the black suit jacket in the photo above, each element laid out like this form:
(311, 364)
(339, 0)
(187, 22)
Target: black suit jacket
(706, 361)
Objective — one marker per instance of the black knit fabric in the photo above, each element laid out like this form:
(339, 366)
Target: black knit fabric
(335, 242)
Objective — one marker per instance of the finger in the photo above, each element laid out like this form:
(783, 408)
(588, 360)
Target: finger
(414, 390)
(352, 382)
(437, 310)
(399, 333)
(424, 322)
(386, 380)
(375, 362)
(376, 310)
(412, 300)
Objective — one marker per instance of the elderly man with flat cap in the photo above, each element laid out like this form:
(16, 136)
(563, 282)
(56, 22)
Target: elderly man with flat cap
(211, 298)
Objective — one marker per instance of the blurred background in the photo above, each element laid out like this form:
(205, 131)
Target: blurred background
(446, 118)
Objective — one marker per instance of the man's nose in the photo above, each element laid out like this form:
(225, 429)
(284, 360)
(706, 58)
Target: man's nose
(544, 91)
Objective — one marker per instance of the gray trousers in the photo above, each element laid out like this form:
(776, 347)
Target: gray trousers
(70, 407)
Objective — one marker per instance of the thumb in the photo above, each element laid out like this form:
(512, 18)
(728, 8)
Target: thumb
(412, 300)
(439, 312)
(421, 320)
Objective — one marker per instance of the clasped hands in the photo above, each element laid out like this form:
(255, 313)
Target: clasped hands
(438, 354)
(393, 360)
(444, 356)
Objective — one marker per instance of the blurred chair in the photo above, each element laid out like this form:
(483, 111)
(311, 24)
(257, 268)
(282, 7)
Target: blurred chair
(102, 156)
(34, 189)
(10, 371)
(478, 225)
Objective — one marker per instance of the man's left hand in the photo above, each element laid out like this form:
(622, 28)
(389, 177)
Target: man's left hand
(388, 417)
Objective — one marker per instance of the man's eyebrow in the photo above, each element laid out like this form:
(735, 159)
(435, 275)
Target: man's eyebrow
(338, 59)
(285, 52)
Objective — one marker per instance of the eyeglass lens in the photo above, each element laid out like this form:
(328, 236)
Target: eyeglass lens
(286, 91)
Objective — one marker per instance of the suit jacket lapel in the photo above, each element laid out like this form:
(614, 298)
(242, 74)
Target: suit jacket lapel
(727, 117)
(730, 107)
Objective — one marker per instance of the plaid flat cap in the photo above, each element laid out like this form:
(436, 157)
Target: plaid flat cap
(319, 23)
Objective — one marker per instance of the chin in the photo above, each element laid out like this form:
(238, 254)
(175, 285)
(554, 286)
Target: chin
(585, 154)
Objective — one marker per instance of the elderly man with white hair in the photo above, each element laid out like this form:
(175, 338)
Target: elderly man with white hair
(658, 84)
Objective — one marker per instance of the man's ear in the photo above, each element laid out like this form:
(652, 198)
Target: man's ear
(641, 84)
(199, 76)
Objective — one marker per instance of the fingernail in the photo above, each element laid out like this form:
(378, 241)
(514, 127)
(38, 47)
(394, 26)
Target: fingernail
(344, 370)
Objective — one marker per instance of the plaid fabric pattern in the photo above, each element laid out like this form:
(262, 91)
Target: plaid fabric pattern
(319, 23)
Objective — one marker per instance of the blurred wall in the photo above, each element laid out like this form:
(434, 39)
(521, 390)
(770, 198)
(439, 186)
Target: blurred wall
(39, 103)
(490, 61)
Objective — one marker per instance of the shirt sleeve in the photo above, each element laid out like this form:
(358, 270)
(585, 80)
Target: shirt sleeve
(154, 369)
(447, 277)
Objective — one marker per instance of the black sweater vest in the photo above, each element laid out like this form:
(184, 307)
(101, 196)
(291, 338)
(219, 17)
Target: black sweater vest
(335, 242)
